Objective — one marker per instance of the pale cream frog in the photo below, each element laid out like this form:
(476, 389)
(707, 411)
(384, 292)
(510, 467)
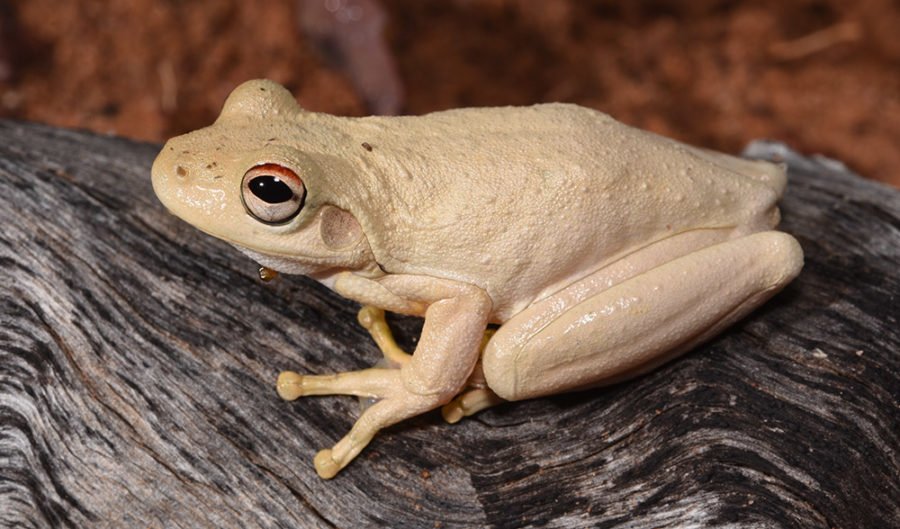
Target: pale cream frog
(601, 251)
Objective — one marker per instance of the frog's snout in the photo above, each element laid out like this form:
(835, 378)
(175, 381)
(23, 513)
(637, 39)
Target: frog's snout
(163, 172)
(174, 178)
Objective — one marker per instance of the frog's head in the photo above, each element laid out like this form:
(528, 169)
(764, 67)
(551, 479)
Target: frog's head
(243, 181)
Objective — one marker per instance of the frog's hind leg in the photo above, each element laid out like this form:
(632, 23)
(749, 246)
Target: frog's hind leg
(592, 334)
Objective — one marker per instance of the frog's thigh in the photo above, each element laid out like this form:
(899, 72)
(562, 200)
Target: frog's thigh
(640, 323)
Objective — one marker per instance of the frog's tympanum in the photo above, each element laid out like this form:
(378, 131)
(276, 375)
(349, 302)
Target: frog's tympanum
(598, 251)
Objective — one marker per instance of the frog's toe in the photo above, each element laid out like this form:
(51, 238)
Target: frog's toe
(469, 403)
(369, 383)
(326, 466)
(452, 412)
(368, 316)
(289, 385)
(373, 320)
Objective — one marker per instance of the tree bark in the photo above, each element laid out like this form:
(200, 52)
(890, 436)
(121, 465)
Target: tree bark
(138, 359)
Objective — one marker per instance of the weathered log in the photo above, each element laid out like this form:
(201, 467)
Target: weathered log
(138, 359)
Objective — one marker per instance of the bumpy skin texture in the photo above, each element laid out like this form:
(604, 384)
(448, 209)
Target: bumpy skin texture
(601, 250)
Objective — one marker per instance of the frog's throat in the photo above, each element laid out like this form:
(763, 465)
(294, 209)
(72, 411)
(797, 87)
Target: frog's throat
(303, 265)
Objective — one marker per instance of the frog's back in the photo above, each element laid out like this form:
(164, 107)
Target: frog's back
(509, 198)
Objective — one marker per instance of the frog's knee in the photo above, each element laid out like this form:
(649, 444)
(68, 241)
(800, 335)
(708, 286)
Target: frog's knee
(787, 253)
(517, 366)
(499, 362)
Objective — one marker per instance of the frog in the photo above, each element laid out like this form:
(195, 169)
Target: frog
(549, 248)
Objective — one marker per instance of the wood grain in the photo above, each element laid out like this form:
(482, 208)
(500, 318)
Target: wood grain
(138, 360)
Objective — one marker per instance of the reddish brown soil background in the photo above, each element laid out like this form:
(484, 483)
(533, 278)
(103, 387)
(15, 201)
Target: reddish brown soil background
(822, 76)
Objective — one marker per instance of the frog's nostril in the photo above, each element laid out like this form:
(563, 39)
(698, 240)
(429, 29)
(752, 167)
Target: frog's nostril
(181, 171)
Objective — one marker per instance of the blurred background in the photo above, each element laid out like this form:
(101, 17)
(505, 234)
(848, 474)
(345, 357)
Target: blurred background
(820, 75)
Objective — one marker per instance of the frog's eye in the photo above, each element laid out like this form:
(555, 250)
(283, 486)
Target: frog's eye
(272, 193)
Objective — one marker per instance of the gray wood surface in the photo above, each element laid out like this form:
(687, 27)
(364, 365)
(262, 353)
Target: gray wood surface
(138, 359)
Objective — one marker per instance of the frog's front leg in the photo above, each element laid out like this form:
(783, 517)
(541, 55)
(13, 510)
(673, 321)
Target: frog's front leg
(373, 320)
(455, 318)
(637, 313)
(366, 384)
(476, 396)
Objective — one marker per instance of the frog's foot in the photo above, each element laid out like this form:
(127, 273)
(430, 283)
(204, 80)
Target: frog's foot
(372, 318)
(382, 414)
(469, 403)
(369, 383)
(396, 404)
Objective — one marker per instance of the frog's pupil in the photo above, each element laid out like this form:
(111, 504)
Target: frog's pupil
(270, 189)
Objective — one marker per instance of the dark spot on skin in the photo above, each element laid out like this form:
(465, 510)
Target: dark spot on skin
(261, 89)
(271, 139)
(218, 176)
(181, 171)
(209, 166)
(366, 146)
